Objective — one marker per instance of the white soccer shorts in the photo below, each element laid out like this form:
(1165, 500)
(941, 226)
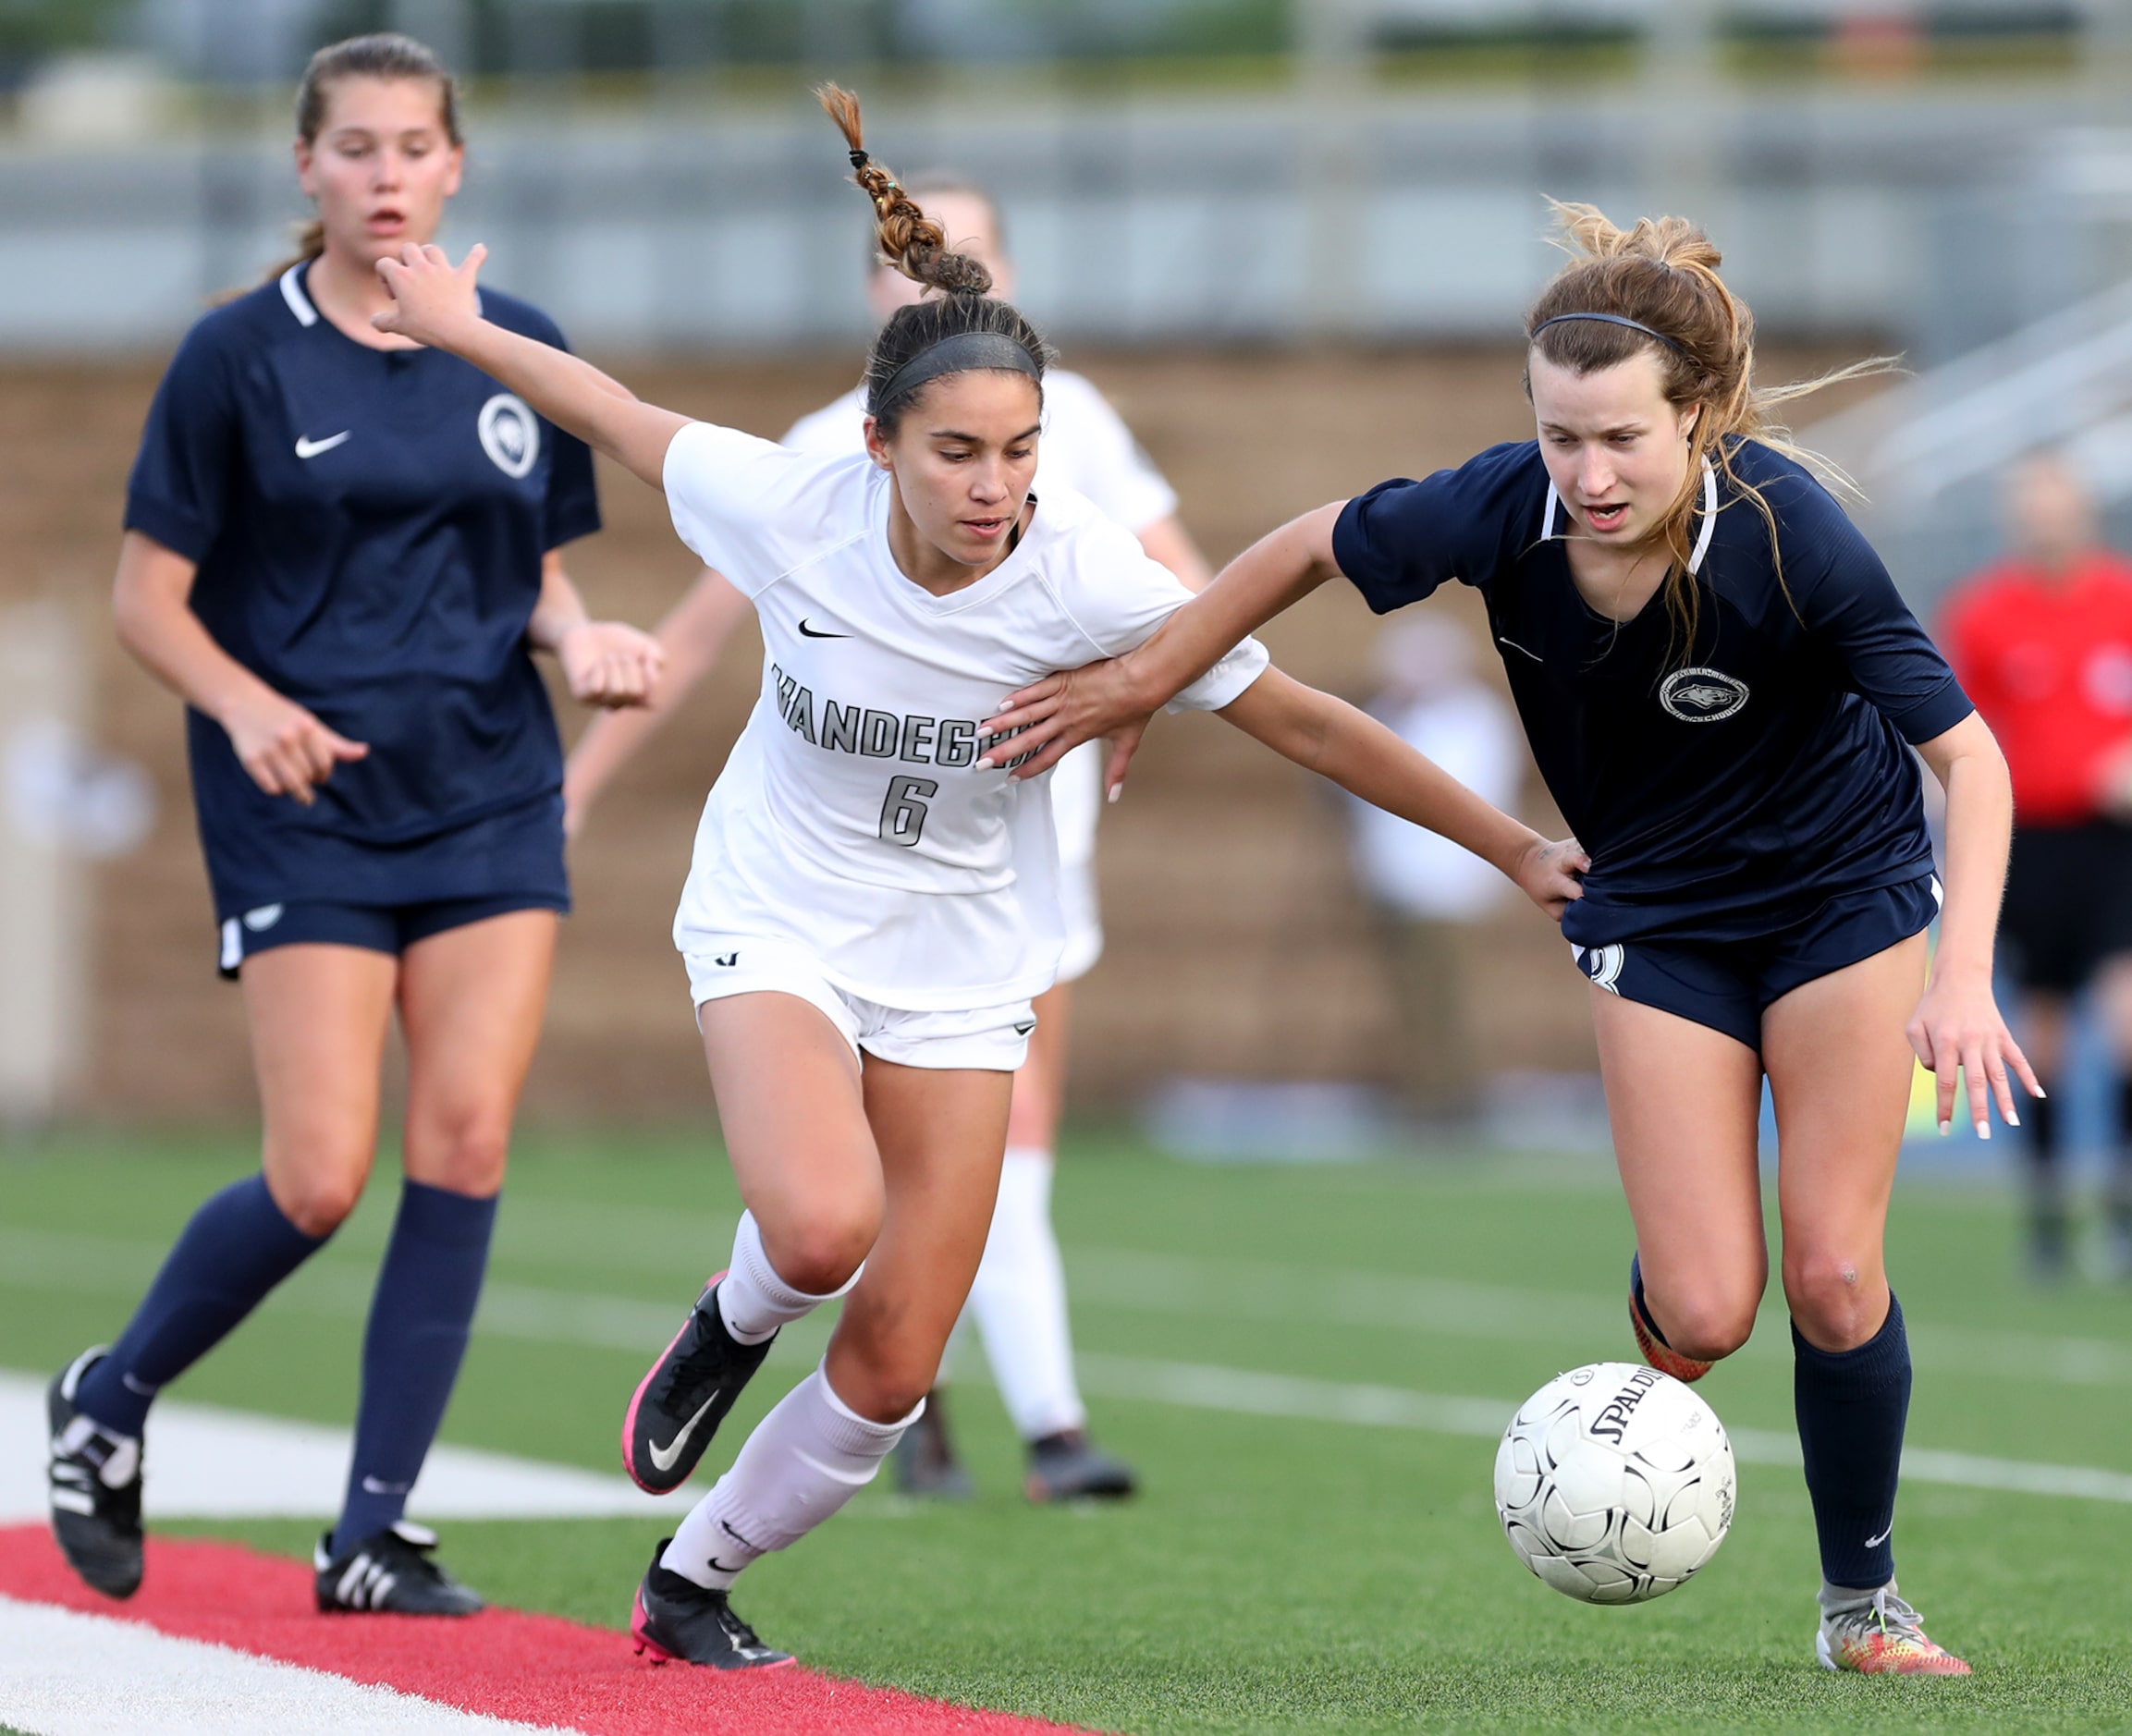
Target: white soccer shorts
(990, 1039)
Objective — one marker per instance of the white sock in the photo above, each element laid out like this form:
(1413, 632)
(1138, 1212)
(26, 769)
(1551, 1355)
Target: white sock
(804, 1460)
(754, 1300)
(1020, 1301)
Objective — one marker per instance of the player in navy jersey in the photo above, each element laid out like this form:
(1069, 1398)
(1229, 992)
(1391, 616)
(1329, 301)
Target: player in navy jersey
(873, 903)
(1722, 691)
(341, 549)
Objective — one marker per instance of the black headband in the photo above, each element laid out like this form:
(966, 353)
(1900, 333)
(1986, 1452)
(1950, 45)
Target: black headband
(1613, 319)
(957, 354)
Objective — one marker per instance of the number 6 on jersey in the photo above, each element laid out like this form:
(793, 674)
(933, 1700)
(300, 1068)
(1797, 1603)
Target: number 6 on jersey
(904, 809)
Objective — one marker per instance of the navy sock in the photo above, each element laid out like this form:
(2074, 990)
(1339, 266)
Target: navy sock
(238, 1247)
(1851, 1406)
(1637, 1296)
(419, 1320)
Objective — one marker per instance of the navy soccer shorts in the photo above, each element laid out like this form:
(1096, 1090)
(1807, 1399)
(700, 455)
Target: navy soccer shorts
(1729, 984)
(387, 928)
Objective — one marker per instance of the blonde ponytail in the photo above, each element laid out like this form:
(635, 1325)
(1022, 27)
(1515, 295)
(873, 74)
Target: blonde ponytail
(1662, 273)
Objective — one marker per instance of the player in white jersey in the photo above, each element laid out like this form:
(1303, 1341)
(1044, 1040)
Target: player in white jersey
(873, 905)
(1019, 1299)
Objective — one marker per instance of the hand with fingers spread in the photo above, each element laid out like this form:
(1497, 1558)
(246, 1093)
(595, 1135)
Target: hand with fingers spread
(1053, 716)
(610, 663)
(1957, 1029)
(285, 748)
(433, 299)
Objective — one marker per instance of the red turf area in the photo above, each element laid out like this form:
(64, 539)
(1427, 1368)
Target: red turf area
(538, 1669)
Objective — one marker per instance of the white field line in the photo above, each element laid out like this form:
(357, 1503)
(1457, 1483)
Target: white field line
(1240, 1392)
(204, 1462)
(1176, 1284)
(67, 1674)
(1179, 1284)
(1129, 1280)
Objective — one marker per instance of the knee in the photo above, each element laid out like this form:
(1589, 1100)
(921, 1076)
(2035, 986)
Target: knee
(819, 1255)
(881, 1375)
(1707, 1325)
(317, 1201)
(1836, 1301)
(466, 1153)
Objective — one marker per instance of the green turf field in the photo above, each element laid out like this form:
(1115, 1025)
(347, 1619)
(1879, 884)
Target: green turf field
(1281, 1572)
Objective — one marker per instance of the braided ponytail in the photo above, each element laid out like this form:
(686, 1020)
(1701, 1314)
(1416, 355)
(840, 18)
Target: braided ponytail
(915, 245)
(910, 241)
(1661, 272)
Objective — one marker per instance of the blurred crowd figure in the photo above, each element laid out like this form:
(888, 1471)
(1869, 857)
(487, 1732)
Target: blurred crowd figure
(1428, 895)
(2042, 641)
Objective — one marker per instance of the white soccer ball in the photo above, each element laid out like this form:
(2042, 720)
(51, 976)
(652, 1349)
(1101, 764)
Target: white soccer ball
(1614, 1483)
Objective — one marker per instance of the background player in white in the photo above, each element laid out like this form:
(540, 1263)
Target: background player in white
(864, 941)
(1019, 1299)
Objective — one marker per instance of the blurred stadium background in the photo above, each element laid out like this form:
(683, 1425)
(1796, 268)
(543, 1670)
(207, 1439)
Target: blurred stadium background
(1292, 238)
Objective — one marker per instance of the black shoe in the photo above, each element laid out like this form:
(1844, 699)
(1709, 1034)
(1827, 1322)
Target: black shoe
(678, 1621)
(925, 1461)
(1069, 1467)
(389, 1572)
(95, 1479)
(678, 1405)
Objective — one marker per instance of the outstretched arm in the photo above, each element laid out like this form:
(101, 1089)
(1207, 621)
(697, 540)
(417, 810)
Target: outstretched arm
(1957, 1023)
(1118, 698)
(433, 302)
(1332, 738)
(692, 635)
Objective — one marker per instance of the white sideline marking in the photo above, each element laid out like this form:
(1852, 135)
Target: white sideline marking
(67, 1674)
(1127, 1280)
(1179, 1284)
(1152, 1282)
(204, 1462)
(1243, 1393)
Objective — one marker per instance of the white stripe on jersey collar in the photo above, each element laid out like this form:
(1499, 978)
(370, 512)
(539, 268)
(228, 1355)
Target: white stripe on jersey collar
(292, 293)
(299, 304)
(1703, 537)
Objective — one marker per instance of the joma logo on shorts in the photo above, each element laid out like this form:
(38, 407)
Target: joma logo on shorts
(1612, 1422)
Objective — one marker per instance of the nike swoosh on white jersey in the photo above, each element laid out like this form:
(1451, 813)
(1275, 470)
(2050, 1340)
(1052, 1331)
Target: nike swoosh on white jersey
(307, 447)
(664, 1457)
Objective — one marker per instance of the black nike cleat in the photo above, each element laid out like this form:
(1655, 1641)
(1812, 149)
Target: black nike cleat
(389, 1572)
(925, 1461)
(677, 1620)
(96, 1488)
(1068, 1466)
(678, 1405)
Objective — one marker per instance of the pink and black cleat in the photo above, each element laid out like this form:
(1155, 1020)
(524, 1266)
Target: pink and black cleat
(679, 1403)
(677, 1620)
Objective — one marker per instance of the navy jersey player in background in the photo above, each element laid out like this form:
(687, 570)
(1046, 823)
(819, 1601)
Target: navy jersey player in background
(1722, 689)
(340, 550)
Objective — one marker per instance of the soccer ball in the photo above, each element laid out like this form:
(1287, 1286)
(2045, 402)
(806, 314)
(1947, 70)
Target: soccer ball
(1614, 1483)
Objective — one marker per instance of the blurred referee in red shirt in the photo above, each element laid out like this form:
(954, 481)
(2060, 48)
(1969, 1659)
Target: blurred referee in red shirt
(2042, 642)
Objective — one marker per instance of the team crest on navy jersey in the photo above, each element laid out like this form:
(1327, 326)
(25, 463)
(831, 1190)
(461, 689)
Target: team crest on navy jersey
(1702, 695)
(511, 434)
